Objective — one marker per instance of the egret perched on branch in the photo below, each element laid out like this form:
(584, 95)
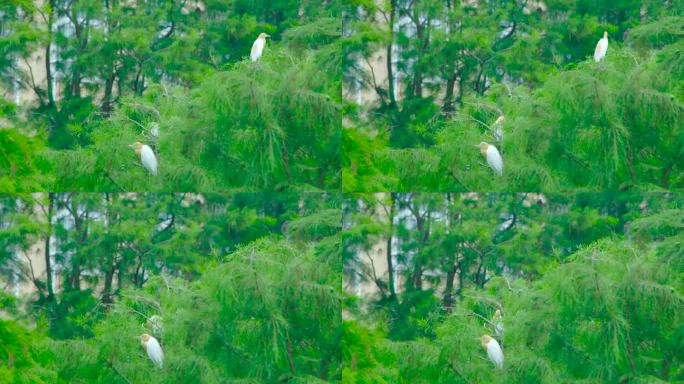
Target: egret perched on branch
(497, 322)
(493, 349)
(493, 157)
(155, 323)
(147, 157)
(258, 46)
(153, 349)
(601, 48)
(498, 128)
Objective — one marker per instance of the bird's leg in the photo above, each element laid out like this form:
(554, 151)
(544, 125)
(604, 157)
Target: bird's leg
(254, 70)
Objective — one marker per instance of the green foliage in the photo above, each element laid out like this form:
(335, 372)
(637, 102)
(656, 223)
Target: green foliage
(21, 165)
(25, 357)
(570, 124)
(267, 313)
(366, 358)
(247, 286)
(225, 123)
(358, 161)
(605, 308)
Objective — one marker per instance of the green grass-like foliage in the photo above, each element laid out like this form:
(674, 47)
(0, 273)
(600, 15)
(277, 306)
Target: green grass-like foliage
(247, 285)
(225, 123)
(570, 123)
(601, 305)
(269, 305)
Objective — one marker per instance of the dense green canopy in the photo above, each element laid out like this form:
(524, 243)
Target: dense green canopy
(590, 286)
(570, 123)
(242, 259)
(116, 69)
(247, 286)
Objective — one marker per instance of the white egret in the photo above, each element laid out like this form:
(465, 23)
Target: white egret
(494, 351)
(601, 48)
(497, 322)
(493, 157)
(498, 128)
(155, 323)
(153, 349)
(154, 130)
(147, 157)
(258, 46)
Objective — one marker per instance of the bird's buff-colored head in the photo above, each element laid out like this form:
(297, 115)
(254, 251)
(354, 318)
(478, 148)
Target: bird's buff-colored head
(137, 146)
(263, 35)
(605, 34)
(485, 340)
(144, 338)
(483, 148)
(497, 314)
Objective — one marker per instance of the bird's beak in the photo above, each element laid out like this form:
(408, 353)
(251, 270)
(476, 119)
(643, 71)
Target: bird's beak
(268, 36)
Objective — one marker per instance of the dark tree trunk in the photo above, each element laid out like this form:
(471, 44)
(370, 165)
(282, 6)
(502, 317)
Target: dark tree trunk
(479, 271)
(417, 88)
(111, 77)
(111, 258)
(138, 272)
(390, 263)
(417, 276)
(461, 83)
(120, 277)
(109, 278)
(390, 44)
(459, 290)
(448, 299)
(75, 88)
(478, 80)
(48, 70)
(107, 98)
(48, 263)
(448, 105)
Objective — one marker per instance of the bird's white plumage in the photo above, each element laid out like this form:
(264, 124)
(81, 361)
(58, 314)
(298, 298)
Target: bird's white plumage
(257, 48)
(155, 352)
(148, 159)
(494, 160)
(495, 353)
(601, 48)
